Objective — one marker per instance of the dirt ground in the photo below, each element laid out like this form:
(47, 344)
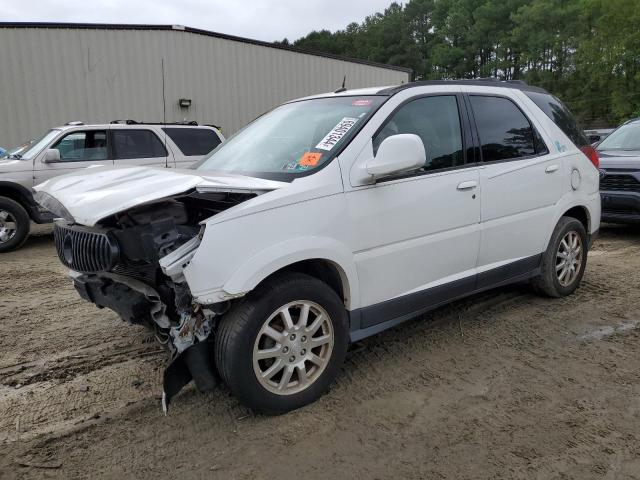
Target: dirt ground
(501, 385)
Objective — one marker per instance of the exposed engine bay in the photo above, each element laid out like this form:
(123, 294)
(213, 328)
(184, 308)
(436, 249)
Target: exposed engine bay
(116, 265)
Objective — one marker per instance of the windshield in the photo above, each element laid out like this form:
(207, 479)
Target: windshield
(30, 149)
(293, 139)
(627, 137)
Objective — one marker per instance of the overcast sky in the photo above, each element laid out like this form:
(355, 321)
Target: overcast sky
(259, 19)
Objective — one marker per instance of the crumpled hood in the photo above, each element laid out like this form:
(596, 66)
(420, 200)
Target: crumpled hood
(92, 194)
(619, 159)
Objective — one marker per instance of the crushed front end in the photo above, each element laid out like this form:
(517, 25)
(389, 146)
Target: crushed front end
(115, 265)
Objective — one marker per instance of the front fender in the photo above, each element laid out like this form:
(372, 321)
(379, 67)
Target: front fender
(283, 254)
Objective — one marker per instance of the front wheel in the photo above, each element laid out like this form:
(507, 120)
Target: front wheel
(281, 346)
(14, 225)
(564, 262)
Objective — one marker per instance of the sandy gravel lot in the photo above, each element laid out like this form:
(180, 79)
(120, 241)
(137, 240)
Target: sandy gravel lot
(502, 385)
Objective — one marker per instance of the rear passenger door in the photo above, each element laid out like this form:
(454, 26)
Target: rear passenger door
(138, 146)
(520, 183)
(78, 149)
(192, 143)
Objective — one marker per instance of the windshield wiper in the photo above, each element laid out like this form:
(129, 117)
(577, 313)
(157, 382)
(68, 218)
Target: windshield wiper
(17, 156)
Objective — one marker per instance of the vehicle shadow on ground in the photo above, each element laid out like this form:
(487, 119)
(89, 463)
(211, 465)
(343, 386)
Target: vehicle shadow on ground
(619, 231)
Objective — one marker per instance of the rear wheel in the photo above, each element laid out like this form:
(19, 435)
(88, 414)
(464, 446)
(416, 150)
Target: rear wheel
(281, 347)
(14, 225)
(564, 262)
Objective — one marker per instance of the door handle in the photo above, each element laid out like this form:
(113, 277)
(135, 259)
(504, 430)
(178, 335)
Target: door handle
(467, 185)
(551, 169)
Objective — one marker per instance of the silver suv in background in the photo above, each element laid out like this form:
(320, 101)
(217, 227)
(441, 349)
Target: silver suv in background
(76, 146)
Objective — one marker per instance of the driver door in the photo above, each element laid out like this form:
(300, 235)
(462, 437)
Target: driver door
(417, 235)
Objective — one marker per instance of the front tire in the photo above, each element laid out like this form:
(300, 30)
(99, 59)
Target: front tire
(281, 346)
(564, 262)
(14, 225)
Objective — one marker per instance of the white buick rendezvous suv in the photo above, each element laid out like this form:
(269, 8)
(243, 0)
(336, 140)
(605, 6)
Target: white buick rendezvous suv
(330, 219)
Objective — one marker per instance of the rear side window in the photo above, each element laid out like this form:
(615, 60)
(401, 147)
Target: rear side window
(505, 133)
(137, 144)
(561, 116)
(193, 141)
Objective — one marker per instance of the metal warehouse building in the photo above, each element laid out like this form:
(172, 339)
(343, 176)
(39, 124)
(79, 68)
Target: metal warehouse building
(54, 73)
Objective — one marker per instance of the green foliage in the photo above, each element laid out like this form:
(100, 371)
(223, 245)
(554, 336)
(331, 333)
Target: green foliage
(587, 52)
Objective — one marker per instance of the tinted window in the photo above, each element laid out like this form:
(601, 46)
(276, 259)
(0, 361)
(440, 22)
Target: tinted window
(503, 129)
(561, 116)
(137, 144)
(193, 141)
(437, 122)
(82, 146)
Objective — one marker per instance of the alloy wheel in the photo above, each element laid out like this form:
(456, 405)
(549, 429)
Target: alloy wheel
(293, 347)
(8, 226)
(569, 258)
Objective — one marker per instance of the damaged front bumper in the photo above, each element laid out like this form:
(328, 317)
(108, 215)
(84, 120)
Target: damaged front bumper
(189, 341)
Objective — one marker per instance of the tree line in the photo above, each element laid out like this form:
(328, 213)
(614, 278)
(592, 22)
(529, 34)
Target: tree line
(587, 52)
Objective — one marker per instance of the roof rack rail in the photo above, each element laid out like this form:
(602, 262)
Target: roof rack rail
(135, 122)
(484, 82)
(75, 122)
(124, 122)
(494, 79)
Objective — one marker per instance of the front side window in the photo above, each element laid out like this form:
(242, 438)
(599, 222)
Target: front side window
(83, 146)
(436, 121)
(505, 133)
(193, 141)
(294, 139)
(627, 137)
(136, 143)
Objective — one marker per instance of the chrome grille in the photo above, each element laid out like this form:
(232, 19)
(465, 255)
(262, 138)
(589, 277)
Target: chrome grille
(85, 250)
(617, 182)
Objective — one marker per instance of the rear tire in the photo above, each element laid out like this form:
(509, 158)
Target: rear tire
(282, 345)
(564, 262)
(14, 225)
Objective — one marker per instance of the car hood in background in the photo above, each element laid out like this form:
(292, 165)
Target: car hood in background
(619, 159)
(90, 195)
(11, 165)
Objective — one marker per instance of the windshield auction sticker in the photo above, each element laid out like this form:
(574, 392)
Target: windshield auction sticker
(339, 131)
(310, 159)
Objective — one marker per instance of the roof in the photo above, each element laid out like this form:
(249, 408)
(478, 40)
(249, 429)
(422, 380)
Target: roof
(392, 90)
(131, 124)
(197, 31)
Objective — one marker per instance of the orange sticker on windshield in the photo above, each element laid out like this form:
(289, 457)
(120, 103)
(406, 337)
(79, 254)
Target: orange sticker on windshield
(309, 159)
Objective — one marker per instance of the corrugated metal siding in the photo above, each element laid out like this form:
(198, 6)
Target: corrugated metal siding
(51, 76)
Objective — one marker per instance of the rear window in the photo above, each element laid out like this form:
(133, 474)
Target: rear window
(561, 116)
(193, 141)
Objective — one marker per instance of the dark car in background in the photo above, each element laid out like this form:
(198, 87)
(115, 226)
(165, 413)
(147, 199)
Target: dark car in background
(620, 174)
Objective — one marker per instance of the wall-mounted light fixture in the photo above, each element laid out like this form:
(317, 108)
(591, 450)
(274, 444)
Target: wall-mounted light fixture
(184, 102)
